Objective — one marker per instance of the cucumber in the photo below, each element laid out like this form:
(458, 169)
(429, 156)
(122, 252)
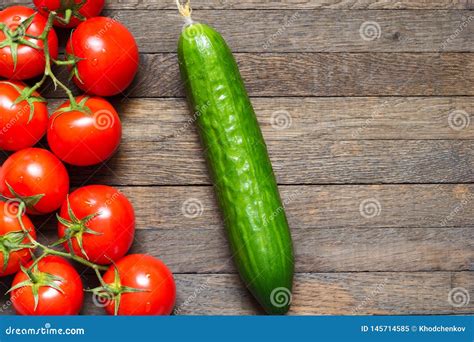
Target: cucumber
(238, 160)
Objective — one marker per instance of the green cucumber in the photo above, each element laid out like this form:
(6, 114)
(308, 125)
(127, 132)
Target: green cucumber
(237, 156)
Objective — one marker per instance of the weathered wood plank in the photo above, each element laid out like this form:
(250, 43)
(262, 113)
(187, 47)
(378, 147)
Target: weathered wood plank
(289, 4)
(161, 145)
(317, 294)
(318, 206)
(301, 160)
(312, 31)
(321, 118)
(315, 207)
(333, 119)
(321, 74)
(205, 250)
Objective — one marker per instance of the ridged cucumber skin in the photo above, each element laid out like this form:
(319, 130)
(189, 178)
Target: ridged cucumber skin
(243, 177)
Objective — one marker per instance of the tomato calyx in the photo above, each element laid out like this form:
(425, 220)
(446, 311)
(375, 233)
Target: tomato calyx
(74, 106)
(75, 229)
(72, 60)
(36, 280)
(113, 291)
(28, 201)
(26, 95)
(12, 242)
(16, 36)
(67, 10)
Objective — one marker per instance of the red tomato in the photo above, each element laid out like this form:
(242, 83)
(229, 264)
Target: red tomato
(106, 236)
(84, 139)
(89, 9)
(145, 273)
(23, 124)
(37, 177)
(30, 61)
(12, 237)
(109, 56)
(59, 288)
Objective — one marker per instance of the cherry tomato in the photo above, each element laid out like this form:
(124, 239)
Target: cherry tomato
(109, 56)
(145, 273)
(12, 238)
(80, 10)
(84, 139)
(37, 177)
(23, 124)
(30, 61)
(103, 220)
(59, 289)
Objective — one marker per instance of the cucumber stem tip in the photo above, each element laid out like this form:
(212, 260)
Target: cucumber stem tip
(185, 10)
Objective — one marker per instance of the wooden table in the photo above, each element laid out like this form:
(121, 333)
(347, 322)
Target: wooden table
(367, 110)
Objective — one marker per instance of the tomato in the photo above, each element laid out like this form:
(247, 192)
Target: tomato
(84, 139)
(23, 124)
(109, 56)
(30, 61)
(12, 238)
(59, 289)
(103, 221)
(157, 293)
(80, 10)
(37, 177)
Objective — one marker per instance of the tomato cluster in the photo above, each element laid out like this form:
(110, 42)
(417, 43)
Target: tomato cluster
(96, 223)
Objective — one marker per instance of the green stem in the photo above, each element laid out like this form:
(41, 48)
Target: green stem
(37, 260)
(49, 251)
(48, 72)
(95, 267)
(67, 17)
(69, 62)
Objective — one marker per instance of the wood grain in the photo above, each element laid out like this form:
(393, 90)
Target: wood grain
(301, 160)
(333, 119)
(325, 142)
(320, 74)
(381, 293)
(370, 121)
(314, 207)
(317, 249)
(311, 31)
(287, 4)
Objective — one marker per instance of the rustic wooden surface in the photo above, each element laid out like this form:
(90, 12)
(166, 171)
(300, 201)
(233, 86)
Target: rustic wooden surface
(352, 125)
